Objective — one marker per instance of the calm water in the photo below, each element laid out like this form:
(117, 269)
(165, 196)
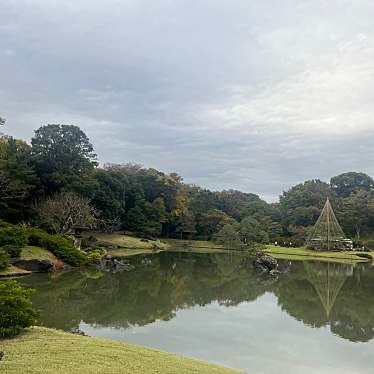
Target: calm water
(318, 318)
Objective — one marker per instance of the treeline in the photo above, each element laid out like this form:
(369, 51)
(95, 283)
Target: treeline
(56, 183)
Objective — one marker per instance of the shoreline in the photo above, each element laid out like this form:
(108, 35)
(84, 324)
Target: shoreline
(300, 253)
(40, 349)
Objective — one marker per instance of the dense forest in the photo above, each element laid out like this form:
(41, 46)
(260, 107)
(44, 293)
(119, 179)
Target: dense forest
(56, 183)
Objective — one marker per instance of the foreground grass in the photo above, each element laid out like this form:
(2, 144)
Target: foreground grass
(303, 253)
(42, 350)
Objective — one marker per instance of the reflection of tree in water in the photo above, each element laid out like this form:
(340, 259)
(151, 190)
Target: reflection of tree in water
(327, 280)
(150, 292)
(344, 302)
(316, 294)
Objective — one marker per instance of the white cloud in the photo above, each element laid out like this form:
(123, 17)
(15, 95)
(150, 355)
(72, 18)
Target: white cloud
(232, 94)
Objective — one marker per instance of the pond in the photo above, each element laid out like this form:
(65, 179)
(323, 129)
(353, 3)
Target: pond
(317, 318)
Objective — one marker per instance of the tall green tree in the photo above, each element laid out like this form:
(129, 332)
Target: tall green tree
(302, 204)
(229, 236)
(251, 232)
(186, 224)
(63, 155)
(344, 184)
(18, 180)
(356, 213)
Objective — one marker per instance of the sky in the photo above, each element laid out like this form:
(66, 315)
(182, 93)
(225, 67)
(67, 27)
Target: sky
(232, 94)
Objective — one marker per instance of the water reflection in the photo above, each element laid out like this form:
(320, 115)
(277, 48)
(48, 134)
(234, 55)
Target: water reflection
(327, 279)
(318, 294)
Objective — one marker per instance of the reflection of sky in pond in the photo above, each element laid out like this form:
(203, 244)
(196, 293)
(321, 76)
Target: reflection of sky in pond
(318, 318)
(256, 337)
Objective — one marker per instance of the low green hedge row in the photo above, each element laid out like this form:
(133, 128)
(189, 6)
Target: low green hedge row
(62, 247)
(14, 237)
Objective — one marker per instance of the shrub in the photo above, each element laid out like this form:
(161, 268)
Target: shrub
(16, 310)
(12, 235)
(4, 260)
(12, 250)
(59, 245)
(94, 255)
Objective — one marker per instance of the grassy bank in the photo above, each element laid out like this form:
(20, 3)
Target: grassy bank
(13, 271)
(127, 245)
(33, 252)
(304, 253)
(42, 350)
(28, 253)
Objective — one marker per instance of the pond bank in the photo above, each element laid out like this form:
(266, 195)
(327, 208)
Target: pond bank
(40, 349)
(300, 253)
(121, 245)
(31, 260)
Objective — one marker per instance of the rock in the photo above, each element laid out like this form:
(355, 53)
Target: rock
(265, 263)
(35, 265)
(109, 263)
(76, 330)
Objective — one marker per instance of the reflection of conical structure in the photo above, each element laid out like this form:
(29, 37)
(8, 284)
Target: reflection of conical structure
(327, 233)
(327, 280)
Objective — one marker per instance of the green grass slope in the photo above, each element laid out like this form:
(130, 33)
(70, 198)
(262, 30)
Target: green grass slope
(42, 350)
(304, 253)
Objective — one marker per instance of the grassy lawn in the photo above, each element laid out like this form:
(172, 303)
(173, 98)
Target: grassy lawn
(126, 241)
(302, 253)
(42, 350)
(131, 245)
(199, 246)
(31, 252)
(28, 253)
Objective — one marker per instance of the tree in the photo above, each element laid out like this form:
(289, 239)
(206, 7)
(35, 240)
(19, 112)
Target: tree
(109, 193)
(301, 205)
(356, 213)
(210, 222)
(186, 224)
(63, 211)
(344, 184)
(135, 219)
(252, 232)
(18, 180)
(16, 310)
(229, 236)
(63, 154)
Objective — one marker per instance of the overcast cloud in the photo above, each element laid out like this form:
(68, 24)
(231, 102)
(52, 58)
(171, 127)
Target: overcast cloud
(252, 95)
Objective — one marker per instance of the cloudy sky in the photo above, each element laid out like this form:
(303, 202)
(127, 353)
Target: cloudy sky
(252, 95)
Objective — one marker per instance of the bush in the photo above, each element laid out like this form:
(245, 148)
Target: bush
(16, 310)
(93, 256)
(12, 250)
(59, 245)
(12, 235)
(4, 260)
